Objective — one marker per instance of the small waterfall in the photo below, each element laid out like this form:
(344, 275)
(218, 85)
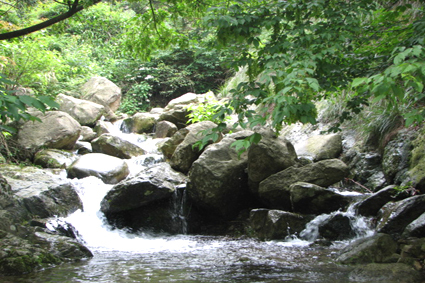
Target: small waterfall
(179, 210)
(360, 225)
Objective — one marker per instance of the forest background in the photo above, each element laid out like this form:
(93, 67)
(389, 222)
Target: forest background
(291, 59)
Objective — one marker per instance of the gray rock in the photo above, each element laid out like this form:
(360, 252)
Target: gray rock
(397, 216)
(87, 134)
(165, 129)
(276, 224)
(85, 112)
(323, 147)
(169, 146)
(42, 193)
(177, 115)
(218, 182)
(185, 99)
(104, 92)
(156, 183)
(271, 155)
(312, 199)
(371, 205)
(54, 158)
(56, 130)
(389, 272)
(139, 123)
(374, 249)
(416, 228)
(274, 191)
(116, 146)
(185, 153)
(336, 228)
(109, 169)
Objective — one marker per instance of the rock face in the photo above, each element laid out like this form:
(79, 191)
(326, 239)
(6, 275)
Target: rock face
(371, 205)
(336, 228)
(109, 169)
(104, 92)
(185, 153)
(171, 144)
(56, 130)
(85, 112)
(271, 155)
(274, 191)
(374, 249)
(276, 224)
(116, 146)
(218, 182)
(176, 115)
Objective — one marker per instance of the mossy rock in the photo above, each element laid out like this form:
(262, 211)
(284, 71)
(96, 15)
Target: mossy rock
(417, 162)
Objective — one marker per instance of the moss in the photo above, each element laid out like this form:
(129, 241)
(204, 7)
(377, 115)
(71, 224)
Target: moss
(417, 161)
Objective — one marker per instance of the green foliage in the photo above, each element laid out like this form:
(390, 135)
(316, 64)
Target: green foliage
(14, 107)
(205, 111)
(136, 99)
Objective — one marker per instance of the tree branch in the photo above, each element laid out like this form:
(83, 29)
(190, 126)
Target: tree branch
(73, 9)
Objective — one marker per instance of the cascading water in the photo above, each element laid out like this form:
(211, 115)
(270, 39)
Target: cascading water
(120, 256)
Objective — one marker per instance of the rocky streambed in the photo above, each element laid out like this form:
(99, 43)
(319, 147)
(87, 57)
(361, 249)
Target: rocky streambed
(283, 210)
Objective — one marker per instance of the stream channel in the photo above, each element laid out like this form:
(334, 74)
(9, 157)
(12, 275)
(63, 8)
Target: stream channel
(120, 256)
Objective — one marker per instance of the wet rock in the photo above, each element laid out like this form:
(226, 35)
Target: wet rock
(397, 216)
(412, 252)
(165, 129)
(116, 146)
(101, 127)
(63, 247)
(312, 199)
(416, 228)
(271, 155)
(156, 183)
(374, 249)
(274, 191)
(54, 158)
(104, 92)
(56, 130)
(185, 153)
(218, 182)
(85, 112)
(168, 147)
(337, 228)
(139, 123)
(109, 169)
(371, 205)
(390, 272)
(276, 224)
(83, 147)
(42, 193)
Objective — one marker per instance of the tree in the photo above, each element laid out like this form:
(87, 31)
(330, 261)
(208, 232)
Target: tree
(73, 7)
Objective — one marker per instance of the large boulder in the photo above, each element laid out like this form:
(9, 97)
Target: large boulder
(116, 146)
(374, 249)
(147, 201)
(417, 162)
(156, 183)
(108, 168)
(271, 155)
(56, 130)
(185, 99)
(84, 111)
(218, 182)
(416, 228)
(396, 217)
(186, 153)
(178, 115)
(42, 193)
(276, 224)
(104, 92)
(307, 198)
(275, 190)
(169, 146)
(337, 227)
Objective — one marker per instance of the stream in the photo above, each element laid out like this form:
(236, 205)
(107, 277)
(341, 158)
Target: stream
(120, 256)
